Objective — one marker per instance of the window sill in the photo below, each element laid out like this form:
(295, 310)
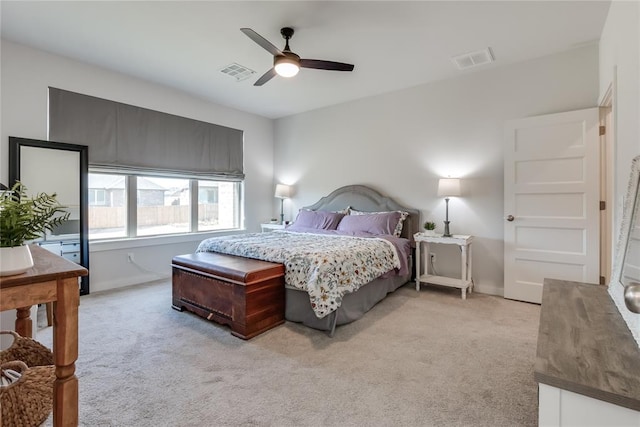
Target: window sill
(140, 242)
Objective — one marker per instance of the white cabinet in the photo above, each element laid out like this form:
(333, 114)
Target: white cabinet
(68, 249)
(559, 407)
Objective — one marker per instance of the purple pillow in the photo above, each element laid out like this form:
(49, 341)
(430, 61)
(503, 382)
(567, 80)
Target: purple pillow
(378, 223)
(398, 230)
(319, 220)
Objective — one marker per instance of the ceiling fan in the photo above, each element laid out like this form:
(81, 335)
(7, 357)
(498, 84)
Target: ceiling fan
(287, 63)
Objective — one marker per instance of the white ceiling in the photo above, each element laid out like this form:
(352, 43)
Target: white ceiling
(393, 44)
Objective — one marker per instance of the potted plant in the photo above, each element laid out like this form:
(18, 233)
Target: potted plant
(429, 228)
(22, 219)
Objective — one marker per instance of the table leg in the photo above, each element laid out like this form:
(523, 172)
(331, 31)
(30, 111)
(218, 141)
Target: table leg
(24, 324)
(426, 258)
(463, 260)
(470, 260)
(418, 244)
(65, 353)
(464, 270)
(49, 311)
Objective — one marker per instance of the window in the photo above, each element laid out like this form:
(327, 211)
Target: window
(97, 197)
(170, 174)
(163, 206)
(217, 203)
(107, 206)
(160, 205)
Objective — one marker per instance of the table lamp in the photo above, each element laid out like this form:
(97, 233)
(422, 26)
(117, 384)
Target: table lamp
(448, 187)
(282, 192)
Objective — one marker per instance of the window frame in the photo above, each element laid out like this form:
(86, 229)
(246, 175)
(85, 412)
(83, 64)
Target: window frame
(131, 204)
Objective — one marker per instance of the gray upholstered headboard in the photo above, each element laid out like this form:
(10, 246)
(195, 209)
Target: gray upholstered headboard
(363, 198)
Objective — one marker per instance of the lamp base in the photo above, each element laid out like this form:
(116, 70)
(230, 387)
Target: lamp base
(281, 211)
(446, 229)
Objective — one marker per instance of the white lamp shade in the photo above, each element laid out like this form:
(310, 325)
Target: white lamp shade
(283, 191)
(449, 187)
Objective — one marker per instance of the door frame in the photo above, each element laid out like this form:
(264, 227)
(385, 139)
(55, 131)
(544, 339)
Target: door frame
(607, 181)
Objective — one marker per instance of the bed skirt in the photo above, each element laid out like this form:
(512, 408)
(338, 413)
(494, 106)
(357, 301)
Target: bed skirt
(353, 307)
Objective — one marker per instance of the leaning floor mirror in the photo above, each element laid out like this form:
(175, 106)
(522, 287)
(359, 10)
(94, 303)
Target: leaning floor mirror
(55, 167)
(625, 282)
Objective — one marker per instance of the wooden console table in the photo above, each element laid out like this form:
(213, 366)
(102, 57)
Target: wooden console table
(587, 362)
(52, 278)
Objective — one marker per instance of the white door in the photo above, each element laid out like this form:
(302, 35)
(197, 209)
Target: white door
(551, 202)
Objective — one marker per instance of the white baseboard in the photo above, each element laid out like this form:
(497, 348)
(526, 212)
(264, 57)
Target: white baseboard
(489, 289)
(145, 278)
(128, 281)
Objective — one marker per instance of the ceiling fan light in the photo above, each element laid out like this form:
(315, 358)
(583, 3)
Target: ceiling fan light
(286, 67)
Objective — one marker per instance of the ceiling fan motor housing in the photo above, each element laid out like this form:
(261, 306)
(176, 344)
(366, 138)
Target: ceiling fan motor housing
(286, 57)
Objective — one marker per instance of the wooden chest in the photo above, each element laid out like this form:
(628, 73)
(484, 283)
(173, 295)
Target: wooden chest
(246, 294)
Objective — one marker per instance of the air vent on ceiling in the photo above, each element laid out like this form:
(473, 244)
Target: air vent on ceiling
(473, 59)
(237, 71)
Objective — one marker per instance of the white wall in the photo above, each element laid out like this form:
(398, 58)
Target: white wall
(401, 143)
(620, 63)
(25, 75)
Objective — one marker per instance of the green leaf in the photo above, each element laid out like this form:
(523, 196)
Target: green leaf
(23, 218)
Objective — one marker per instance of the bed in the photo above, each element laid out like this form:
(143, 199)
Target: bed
(302, 305)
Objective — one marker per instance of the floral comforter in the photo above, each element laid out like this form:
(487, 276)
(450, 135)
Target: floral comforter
(327, 266)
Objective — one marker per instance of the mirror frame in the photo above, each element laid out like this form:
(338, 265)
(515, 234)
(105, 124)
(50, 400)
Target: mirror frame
(616, 287)
(15, 146)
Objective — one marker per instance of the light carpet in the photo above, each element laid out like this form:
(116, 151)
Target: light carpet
(416, 359)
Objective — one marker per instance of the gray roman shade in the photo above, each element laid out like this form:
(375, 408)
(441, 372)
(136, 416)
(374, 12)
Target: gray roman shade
(127, 138)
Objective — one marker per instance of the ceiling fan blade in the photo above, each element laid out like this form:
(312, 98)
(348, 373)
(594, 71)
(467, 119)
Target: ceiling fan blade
(325, 65)
(265, 77)
(261, 41)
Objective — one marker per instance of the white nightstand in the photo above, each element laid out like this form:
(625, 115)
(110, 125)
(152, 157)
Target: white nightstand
(270, 227)
(465, 282)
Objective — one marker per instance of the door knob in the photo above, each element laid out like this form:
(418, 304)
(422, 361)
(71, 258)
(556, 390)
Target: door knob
(510, 218)
(632, 297)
